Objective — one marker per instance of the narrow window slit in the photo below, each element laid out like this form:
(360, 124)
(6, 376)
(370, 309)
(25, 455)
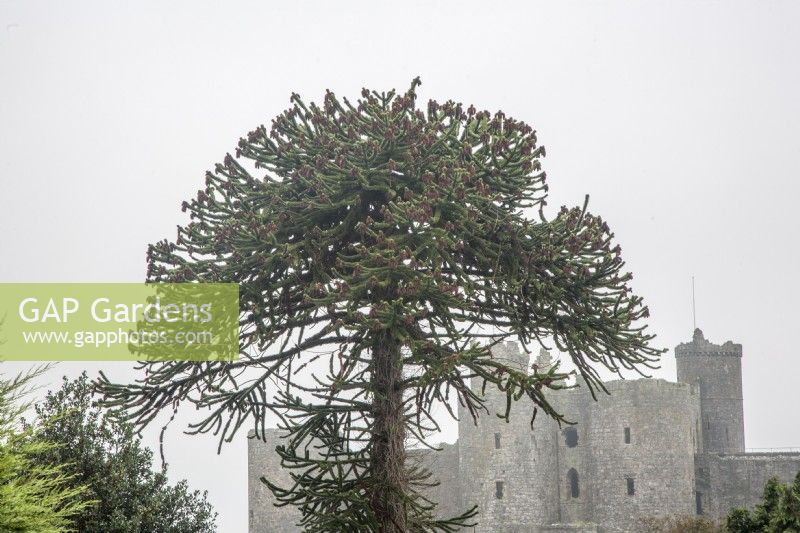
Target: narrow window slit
(571, 437)
(498, 490)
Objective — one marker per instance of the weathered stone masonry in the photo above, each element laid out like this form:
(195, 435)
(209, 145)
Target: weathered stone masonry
(650, 448)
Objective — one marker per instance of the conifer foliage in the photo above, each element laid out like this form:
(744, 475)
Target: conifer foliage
(381, 249)
(33, 497)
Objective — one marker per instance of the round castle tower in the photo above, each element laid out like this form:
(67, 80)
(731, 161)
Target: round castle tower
(630, 455)
(508, 469)
(717, 371)
(263, 460)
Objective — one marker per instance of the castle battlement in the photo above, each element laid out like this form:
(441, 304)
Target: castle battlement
(699, 346)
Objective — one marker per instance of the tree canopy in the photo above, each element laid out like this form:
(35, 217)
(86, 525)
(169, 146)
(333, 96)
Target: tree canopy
(381, 250)
(106, 456)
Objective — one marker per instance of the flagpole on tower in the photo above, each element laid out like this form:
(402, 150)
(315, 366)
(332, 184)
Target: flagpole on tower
(694, 312)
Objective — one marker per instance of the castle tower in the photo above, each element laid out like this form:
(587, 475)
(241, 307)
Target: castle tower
(717, 371)
(263, 460)
(508, 469)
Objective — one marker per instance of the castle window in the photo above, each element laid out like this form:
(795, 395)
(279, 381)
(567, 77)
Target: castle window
(698, 502)
(572, 477)
(727, 436)
(497, 441)
(627, 435)
(498, 490)
(699, 443)
(571, 437)
(631, 487)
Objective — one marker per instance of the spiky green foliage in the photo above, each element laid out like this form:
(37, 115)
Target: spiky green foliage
(108, 458)
(778, 512)
(385, 244)
(33, 498)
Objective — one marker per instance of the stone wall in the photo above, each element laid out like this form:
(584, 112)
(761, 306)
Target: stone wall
(574, 452)
(656, 464)
(262, 460)
(569, 528)
(443, 465)
(737, 480)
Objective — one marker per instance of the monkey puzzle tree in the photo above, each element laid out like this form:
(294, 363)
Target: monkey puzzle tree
(386, 242)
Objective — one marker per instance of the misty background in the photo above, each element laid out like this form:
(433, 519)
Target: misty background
(681, 120)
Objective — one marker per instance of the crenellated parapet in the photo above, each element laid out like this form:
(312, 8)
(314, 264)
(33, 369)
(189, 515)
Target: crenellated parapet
(700, 346)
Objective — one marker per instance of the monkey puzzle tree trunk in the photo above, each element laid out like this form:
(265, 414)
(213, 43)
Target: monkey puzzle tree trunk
(387, 460)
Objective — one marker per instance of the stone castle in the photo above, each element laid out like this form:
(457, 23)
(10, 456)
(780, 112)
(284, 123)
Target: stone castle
(649, 448)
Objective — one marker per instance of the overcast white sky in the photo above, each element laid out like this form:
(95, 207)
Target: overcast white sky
(682, 120)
